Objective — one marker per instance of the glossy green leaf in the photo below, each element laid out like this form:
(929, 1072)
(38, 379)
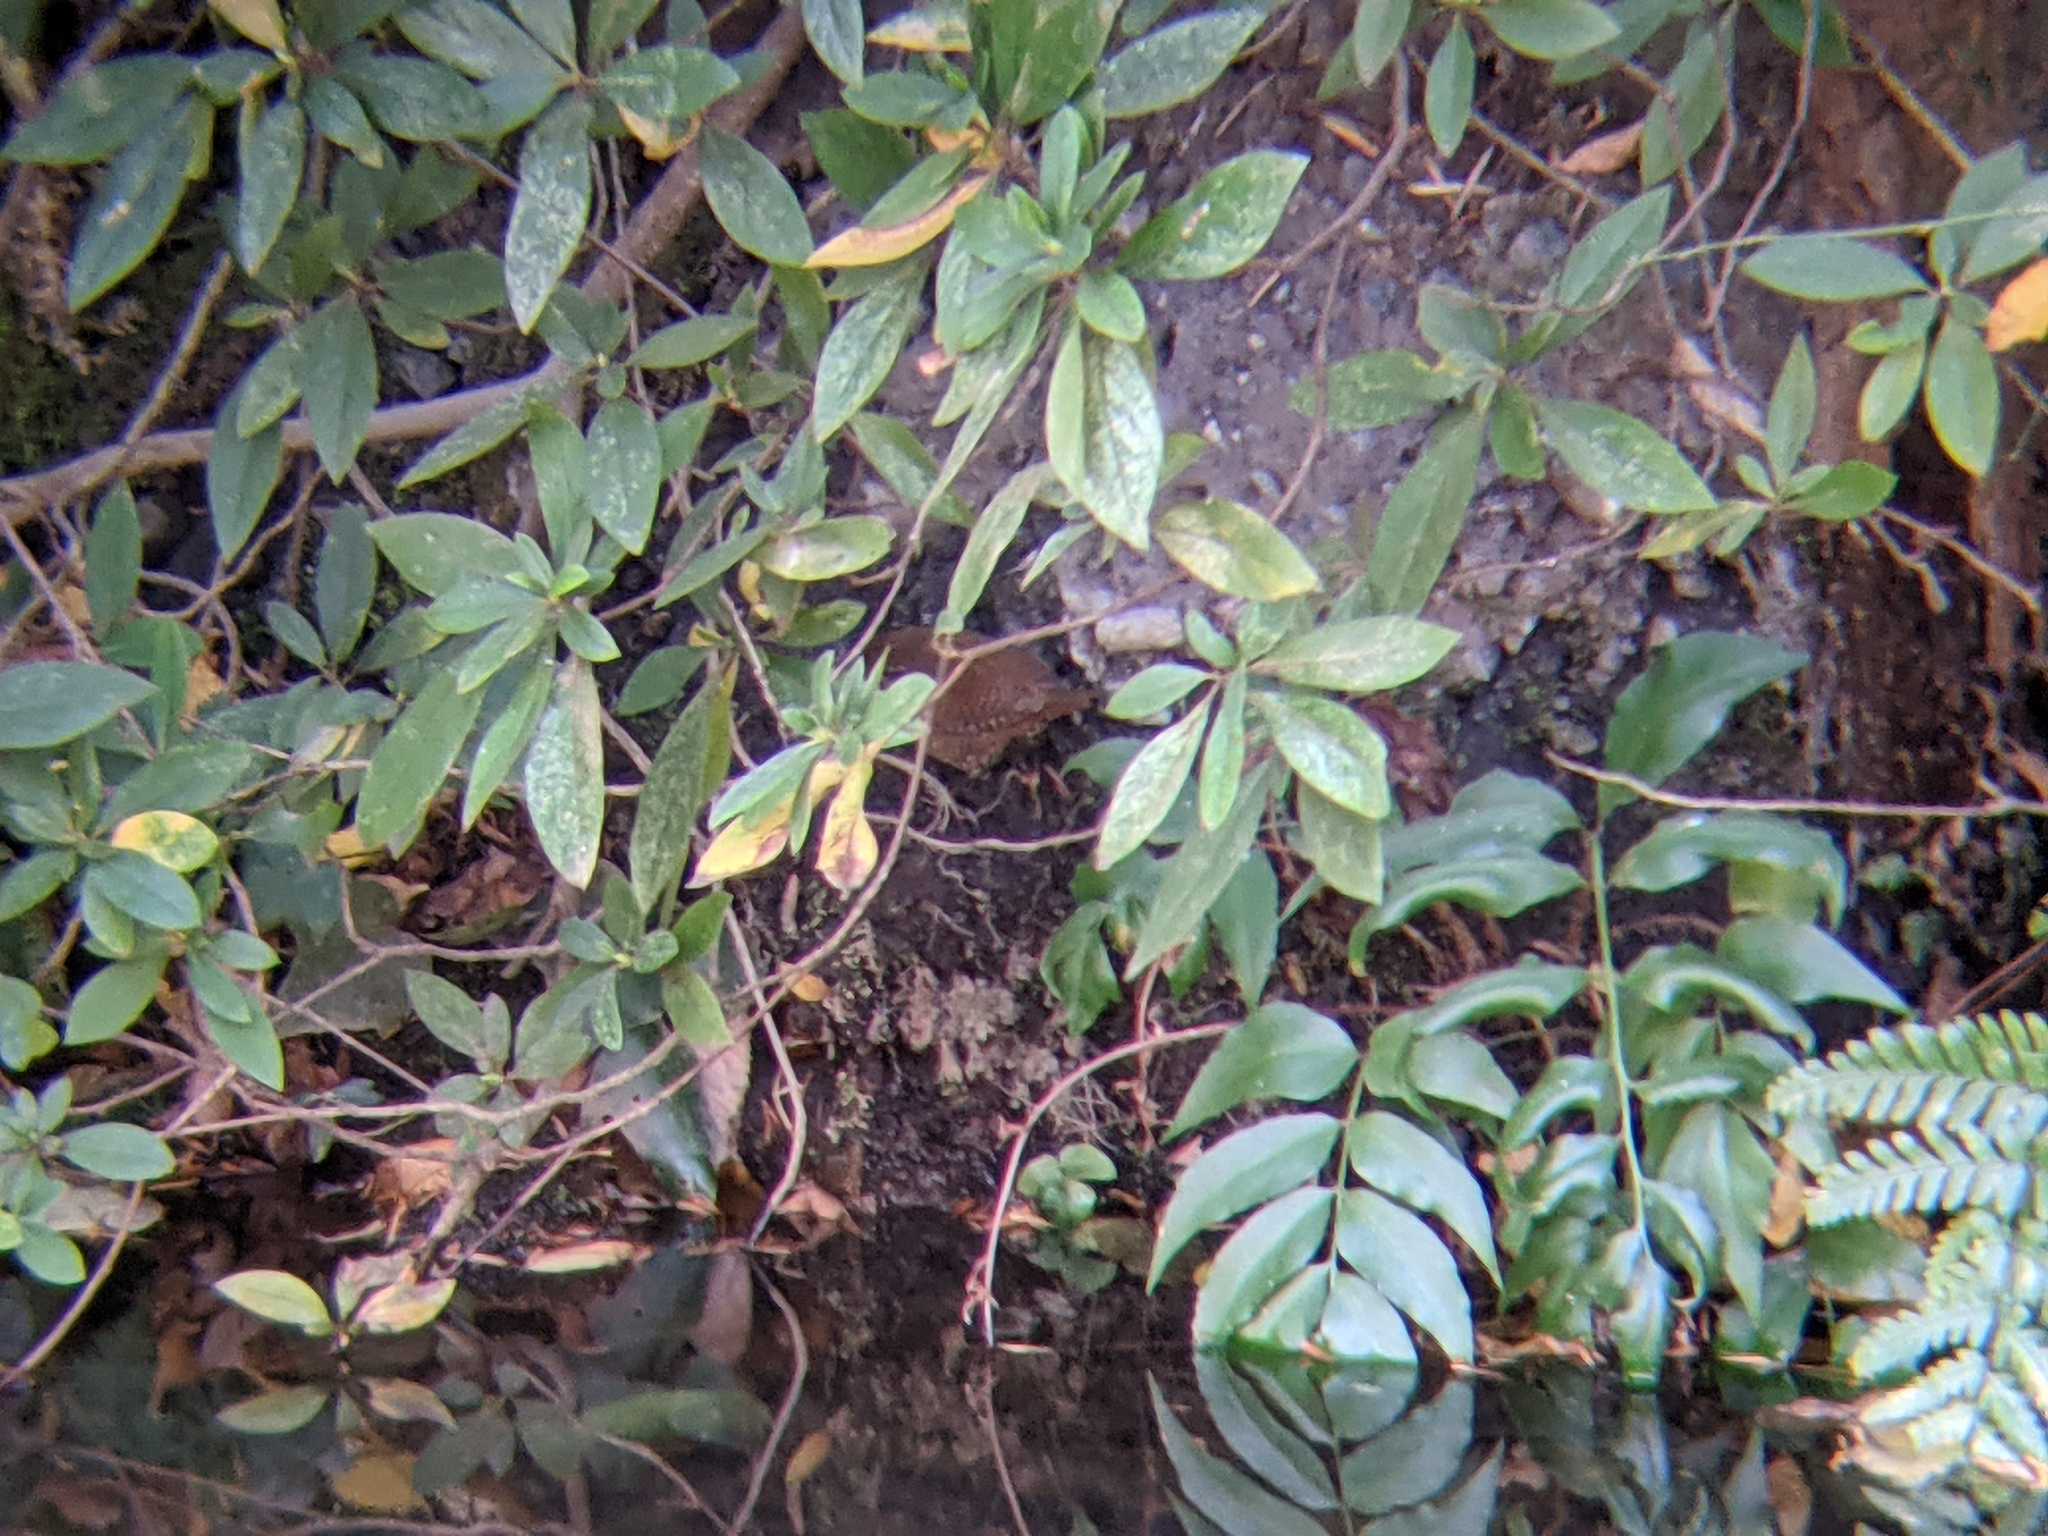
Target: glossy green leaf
(687, 770)
(1176, 63)
(1499, 886)
(838, 35)
(987, 541)
(862, 350)
(564, 777)
(1568, 1085)
(1148, 786)
(1237, 1502)
(752, 202)
(1282, 1051)
(336, 115)
(1400, 1159)
(435, 550)
(623, 480)
(113, 1150)
(47, 703)
(341, 391)
(551, 208)
(99, 111)
(29, 882)
(1716, 1156)
(1229, 547)
(505, 738)
(1685, 848)
(1671, 138)
(24, 1036)
(1218, 782)
(2015, 234)
(278, 1297)
(411, 765)
(112, 999)
(1376, 33)
(1358, 655)
(345, 580)
(453, 1018)
(1848, 491)
(1963, 396)
(1681, 702)
(689, 342)
(1621, 458)
(668, 86)
(478, 39)
(1794, 403)
(1447, 94)
(1345, 848)
(1804, 964)
(1378, 389)
(1408, 1264)
(132, 206)
(1220, 225)
(415, 99)
(273, 156)
(1245, 919)
(1890, 390)
(1550, 29)
(113, 558)
(1831, 268)
(1273, 1246)
(861, 159)
(1424, 517)
(823, 551)
(1110, 306)
(1196, 875)
(1104, 434)
(1331, 748)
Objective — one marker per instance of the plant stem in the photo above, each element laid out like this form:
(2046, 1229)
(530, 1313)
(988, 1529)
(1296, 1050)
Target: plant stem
(1610, 991)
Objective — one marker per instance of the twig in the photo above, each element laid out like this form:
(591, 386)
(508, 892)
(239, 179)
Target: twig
(181, 356)
(1997, 806)
(22, 1368)
(785, 1410)
(1995, 574)
(981, 1280)
(799, 1129)
(1802, 102)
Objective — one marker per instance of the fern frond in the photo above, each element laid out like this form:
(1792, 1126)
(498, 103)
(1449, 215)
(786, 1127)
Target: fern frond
(1989, 1072)
(1921, 1173)
(1900, 1342)
(2015, 1419)
(2024, 1352)
(1971, 1258)
(1930, 1402)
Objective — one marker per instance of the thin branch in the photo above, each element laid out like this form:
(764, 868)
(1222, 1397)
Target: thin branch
(1998, 805)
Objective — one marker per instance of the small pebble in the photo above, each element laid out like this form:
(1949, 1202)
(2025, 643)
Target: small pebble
(1155, 627)
(1211, 433)
(1255, 340)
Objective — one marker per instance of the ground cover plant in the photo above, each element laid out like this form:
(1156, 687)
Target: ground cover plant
(750, 589)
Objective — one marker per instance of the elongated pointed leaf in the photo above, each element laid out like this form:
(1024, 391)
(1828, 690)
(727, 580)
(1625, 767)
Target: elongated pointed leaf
(752, 201)
(273, 156)
(1220, 225)
(340, 385)
(1282, 1051)
(1409, 1265)
(551, 209)
(1399, 1158)
(1148, 786)
(1679, 704)
(133, 205)
(411, 765)
(565, 774)
(1228, 546)
(1331, 748)
(1621, 458)
(623, 478)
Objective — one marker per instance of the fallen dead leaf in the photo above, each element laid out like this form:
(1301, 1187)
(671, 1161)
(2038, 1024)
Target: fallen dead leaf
(380, 1482)
(91, 1506)
(576, 1258)
(809, 989)
(1603, 156)
(417, 1176)
(1788, 1204)
(2021, 313)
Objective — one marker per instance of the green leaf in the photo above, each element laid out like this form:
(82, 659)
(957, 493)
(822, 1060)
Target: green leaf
(453, 1018)
(1680, 703)
(478, 39)
(1246, 921)
(1889, 391)
(277, 1297)
(900, 98)
(1849, 490)
(753, 203)
(1794, 402)
(1228, 546)
(1103, 432)
(1550, 29)
(1685, 848)
(1803, 964)
(411, 765)
(1424, 517)
(1378, 389)
(1153, 691)
(824, 551)
(1176, 63)
(1196, 875)
(345, 580)
(273, 156)
(862, 349)
(1447, 96)
(1344, 848)
(112, 1000)
(1148, 786)
(1358, 655)
(658, 680)
(279, 1411)
(1331, 748)
(341, 390)
(47, 703)
(1716, 1156)
(1399, 1158)
(564, 780)
(113, 1150)
(1110, 306)
(1408, 1264)
(1375, 35)
(295, 634)
(1222, 768)
(470, 441)
(862, 159)
(1283, 1051)
(113, 558)
(2015, 234)
(506, 737)
(838, 36)
(415, 99)
(101, 110)
(1220, 225)
(624, 474)
(30, 882)
(1245, 1169)
(24, 1037)
(552, 23)
(336, 115)
(1621, 458)
(435, 550)
(1831, 268)
(1076, 970)
(132, 207)
(668, 86)
(689, 342)
(1701, 94)
(1271, 1248)
(987, 541)
(449, 285)
(687, 770)
(551, 209)
(1962, 395)
(1237, 1503)
(1499, 886)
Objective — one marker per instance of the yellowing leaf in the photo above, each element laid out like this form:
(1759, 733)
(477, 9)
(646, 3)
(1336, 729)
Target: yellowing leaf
(924, 31)
(1606, 154)
(600, 1253)
(847, 848)
(946, 140)
(258, 20)
(655, 136)
(2021, 313)
(381, 1483)
(404, 1306)
(809, 1455)
(347, 847)
(405, 1402)
(863, 247)
(171, 838)
(740, 849)
(809, 989)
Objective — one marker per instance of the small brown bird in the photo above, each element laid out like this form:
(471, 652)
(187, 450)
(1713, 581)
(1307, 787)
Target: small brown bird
(1000, 699)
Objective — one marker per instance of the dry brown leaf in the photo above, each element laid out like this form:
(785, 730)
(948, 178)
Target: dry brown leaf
(575, 1258)
(1791, 1498)
(380, 1482)
(91, 1506)
(809, 1455)
(419, 1175)
(1605, 155)
(809, 989)
(1788, 1204)
(2021, 313)
(406, 1402)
